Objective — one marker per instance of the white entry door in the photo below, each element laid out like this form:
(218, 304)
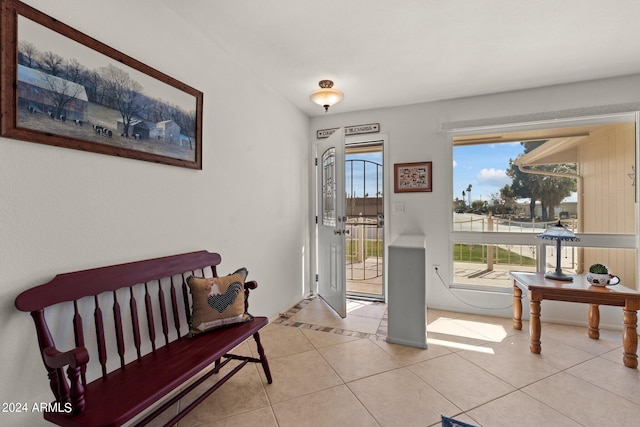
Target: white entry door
(331, 221)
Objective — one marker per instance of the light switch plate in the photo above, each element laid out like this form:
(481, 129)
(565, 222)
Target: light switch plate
(398, 207)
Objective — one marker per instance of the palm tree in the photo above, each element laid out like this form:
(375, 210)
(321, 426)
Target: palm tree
(469, 193)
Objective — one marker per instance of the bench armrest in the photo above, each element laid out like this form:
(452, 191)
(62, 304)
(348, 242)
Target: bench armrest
(75, 358)
(252, 284)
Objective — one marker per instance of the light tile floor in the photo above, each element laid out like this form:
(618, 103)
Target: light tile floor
(330, 371)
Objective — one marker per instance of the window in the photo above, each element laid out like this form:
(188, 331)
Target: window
(509, 187)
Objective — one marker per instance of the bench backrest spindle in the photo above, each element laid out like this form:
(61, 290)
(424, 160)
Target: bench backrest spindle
(185, 297)
(150, 324)
(102, 349)
(78, 335)
(163, 313)
(117, 316)
(174, 306)
(135, 325)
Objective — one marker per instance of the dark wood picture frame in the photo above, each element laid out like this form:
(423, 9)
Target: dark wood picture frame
(61, 87)
(412, 177)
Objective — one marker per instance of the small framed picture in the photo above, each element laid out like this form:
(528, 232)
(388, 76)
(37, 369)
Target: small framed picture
(412, 177)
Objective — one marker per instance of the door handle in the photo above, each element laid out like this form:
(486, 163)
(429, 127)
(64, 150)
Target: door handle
(344, 231)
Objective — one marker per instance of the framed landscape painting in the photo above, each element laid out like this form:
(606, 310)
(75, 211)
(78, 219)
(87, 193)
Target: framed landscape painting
(62, 87)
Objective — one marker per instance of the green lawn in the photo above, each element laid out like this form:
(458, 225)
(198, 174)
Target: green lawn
(464, 252)
(373, 248)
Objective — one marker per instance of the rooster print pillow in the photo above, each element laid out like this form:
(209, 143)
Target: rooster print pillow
(217, 301)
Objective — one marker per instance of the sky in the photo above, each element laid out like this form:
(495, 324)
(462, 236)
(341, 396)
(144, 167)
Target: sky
(483, 167)
(354, 177)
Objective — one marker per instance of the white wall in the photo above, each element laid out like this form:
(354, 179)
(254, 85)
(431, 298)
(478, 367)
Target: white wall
(63, 210)
(415, 134)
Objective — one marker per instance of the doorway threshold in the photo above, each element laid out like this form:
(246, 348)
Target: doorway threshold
(365, 297)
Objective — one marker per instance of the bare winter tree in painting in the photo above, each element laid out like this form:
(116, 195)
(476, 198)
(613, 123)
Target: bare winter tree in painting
(61, 92)
(28, 53)
(123, 94)
(52, 63)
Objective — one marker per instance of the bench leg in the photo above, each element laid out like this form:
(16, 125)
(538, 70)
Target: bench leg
(263, 358)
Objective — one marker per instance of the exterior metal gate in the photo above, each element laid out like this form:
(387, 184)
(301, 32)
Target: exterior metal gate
(365, 221)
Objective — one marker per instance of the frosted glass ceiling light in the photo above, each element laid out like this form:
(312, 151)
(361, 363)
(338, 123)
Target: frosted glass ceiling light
(558, 233)
(326, 96)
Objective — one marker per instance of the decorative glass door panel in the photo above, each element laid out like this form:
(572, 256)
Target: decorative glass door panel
(329, 187)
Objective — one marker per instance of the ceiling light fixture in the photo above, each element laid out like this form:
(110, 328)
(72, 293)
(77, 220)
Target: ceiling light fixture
(326, 96)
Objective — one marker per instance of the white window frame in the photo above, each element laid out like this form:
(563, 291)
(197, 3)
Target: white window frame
(591, 240)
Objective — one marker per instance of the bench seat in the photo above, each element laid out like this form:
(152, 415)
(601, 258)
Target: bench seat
(125, 392)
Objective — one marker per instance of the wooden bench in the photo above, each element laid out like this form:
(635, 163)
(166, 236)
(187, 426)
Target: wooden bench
(134, 318)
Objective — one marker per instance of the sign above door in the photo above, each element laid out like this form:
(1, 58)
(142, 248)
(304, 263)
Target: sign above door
(350, 130)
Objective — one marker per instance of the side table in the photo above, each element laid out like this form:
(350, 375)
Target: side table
(539, 288)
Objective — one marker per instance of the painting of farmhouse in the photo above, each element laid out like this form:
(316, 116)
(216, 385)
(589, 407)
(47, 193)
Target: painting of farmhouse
(68, 89)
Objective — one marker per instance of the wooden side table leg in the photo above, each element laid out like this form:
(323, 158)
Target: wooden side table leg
(594, 321)
(630, 338)
(534, 326)
(517, 307)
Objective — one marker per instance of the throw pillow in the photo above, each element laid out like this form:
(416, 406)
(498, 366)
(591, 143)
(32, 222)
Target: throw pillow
(217, 301)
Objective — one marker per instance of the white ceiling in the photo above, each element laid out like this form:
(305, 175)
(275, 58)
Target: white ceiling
(394, 52)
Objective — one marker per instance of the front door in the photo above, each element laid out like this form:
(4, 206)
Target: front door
(332, 220)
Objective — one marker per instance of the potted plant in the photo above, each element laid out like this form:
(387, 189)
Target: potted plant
(599, 276)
